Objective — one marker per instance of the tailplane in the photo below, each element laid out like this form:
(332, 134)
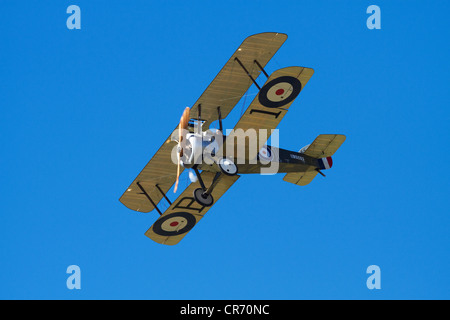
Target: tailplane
(322, 148)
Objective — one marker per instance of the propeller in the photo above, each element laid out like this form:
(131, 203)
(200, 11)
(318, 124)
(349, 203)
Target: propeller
(181, 129)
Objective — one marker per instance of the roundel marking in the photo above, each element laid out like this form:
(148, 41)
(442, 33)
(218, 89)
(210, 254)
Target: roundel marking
(174, 224)
(265, 153)
(279, 92)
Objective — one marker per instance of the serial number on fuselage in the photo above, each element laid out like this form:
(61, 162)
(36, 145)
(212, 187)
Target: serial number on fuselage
(297, 157)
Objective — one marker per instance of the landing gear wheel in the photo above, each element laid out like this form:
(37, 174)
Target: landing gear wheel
(227, 166)
(201, 198)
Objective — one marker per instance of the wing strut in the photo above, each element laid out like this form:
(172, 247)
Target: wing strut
(261, 68)
(199, 118)
(220, 120)
(248, 73)
(148, 197)
(163, 194)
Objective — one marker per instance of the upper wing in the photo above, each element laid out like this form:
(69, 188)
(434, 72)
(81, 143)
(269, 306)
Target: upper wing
(185, 212)
(272, 103)
(232, 82)
(325, 145)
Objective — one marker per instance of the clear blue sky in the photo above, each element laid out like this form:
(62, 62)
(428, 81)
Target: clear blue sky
(82, 112)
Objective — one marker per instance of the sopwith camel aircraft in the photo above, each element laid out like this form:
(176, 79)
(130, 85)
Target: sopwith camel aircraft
(213, 157)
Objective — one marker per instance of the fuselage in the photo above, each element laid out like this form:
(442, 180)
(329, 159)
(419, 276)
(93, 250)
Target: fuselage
(205, 151)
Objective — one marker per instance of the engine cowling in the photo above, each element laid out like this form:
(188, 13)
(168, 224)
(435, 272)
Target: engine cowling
(196, 148)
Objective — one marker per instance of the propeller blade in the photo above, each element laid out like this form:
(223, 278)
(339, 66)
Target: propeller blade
(184, 121)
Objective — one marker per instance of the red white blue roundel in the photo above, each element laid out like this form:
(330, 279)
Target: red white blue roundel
(265, 154)
(174, 224)
(279, 91)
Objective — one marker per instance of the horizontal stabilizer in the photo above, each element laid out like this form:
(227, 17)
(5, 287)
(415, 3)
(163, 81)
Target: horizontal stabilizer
(322, 148)
(325, 145)
(300, 178)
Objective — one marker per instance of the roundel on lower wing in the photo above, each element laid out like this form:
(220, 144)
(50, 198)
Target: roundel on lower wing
(174, 224)
(279, 92)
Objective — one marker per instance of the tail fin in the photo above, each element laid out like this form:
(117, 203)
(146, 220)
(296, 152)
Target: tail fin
(323, 147)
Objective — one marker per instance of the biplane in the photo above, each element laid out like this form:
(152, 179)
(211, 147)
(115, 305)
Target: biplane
(188, 141)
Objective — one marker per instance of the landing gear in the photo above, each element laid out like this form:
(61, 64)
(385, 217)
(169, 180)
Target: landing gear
(203, 195)
(202, 198)
(227, 166)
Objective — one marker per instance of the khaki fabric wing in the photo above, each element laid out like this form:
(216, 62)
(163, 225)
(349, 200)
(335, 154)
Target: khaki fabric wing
(159, 171)
(300, 178)
(185, 212)
(325, 145)
(232, 82)
(270, 105)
